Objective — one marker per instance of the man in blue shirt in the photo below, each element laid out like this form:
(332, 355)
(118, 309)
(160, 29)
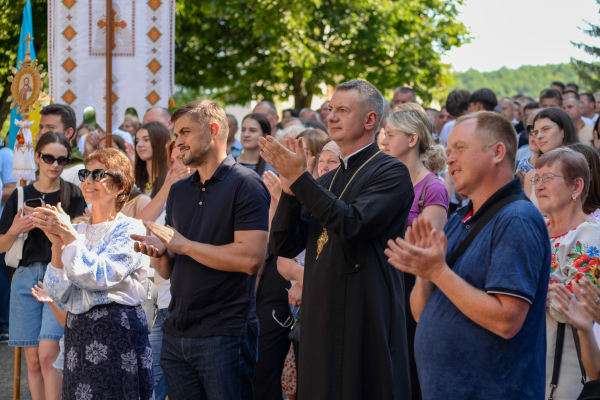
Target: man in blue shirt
(234, 147)
(481, 330)
(212, 246)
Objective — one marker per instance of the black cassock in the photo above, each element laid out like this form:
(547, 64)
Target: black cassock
(353, 333)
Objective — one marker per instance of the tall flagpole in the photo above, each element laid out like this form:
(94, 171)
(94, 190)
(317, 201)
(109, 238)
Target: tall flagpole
(109, 48)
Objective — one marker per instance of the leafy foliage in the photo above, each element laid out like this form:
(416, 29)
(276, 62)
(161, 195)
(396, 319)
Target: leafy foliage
(261, 49)
(589, 72)
(528, 79)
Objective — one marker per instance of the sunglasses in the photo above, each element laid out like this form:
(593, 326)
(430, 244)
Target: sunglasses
(97, 174)
(50, 159)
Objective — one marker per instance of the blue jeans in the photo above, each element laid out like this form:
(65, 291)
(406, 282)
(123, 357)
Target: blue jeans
(4, 295)
(30, 320)
(215, 367)
(156, 337)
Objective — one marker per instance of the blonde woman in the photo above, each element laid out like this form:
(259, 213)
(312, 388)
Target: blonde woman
(408, 137)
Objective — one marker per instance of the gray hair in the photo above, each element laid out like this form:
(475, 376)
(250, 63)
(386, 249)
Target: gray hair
(291, 131)
(269, 105)
(370, 98)
(233, 118)
(404, 90)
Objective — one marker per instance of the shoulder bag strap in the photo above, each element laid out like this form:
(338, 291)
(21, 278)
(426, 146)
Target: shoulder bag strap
(578, 349)
(422, 199)
(487, 217)
(558, 349)
(260, 166)
(20, 203)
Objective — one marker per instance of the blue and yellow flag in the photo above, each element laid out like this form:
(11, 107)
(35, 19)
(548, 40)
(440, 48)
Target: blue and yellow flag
(26, 27)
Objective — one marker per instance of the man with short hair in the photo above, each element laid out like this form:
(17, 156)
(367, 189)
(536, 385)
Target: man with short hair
(61, 118)
(234, 147)
(588, 106)
(211, 247)
(353, 335)
(403, 95)
(269, 110)
(550, 98)
(584, 131)
(445, 117)
(556, 85)
(572, 86)
(481, 320)
(457, 105)
(482, 100)
(309, 114)
(434, 116)
(324, 112)
(159, 114)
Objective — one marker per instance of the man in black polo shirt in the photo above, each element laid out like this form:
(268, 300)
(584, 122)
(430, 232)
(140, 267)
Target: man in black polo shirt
(214, 242)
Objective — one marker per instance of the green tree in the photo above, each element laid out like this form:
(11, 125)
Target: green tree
(10, 29)
(589, 73)
(264, 49)
(527, 79)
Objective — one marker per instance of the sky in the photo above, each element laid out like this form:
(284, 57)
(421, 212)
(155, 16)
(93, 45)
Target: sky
(512, 33)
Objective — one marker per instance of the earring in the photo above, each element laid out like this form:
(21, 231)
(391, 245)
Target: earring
(574, 198)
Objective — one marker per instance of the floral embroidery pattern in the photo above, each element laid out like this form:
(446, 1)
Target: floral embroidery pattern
(584, 260)
(71, 359)
(124, 320)
(141, 314)
(96, 352)
(83, 392)
(97, 314)
(129, 362)
(69, 320)
(147, 358)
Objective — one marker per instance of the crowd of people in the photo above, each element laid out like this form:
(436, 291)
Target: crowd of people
(424, 252)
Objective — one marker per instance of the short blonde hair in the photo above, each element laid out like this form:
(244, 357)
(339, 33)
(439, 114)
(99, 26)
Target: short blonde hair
(412, 121)
(409, 106)
(291, 131)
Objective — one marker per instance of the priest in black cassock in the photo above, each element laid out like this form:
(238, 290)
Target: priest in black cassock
(353, 336)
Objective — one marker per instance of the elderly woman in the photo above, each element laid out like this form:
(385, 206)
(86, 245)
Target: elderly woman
(562, 182)
(98, 278)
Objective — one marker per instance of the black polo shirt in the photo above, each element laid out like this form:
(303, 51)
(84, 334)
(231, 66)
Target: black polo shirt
(205, 301)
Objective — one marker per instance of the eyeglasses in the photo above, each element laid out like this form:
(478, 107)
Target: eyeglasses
(290, 319)
(50, 159)
(97, 174)
(545, 178)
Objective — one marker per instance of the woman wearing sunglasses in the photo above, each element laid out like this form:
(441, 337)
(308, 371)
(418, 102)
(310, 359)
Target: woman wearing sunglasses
(32, 325)
(98, 278)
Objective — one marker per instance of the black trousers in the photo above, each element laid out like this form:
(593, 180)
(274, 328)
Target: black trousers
(273, 342)
(411, 328)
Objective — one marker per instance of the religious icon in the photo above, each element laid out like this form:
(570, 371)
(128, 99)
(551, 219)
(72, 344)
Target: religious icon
(25, 86)
(122, 29)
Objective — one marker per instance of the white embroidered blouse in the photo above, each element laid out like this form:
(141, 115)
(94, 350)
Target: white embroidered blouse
(100, 272)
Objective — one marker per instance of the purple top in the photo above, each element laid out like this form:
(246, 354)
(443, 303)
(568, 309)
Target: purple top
(436, 195)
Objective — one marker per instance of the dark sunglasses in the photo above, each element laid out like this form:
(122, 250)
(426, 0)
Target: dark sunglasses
(49, 159)
(97, 174)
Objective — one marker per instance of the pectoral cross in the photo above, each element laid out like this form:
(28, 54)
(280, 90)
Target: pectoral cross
(117, 24)
(27, 40)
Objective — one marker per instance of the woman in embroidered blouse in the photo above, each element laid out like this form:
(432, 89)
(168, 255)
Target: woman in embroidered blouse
(98, 278)
(562, 182)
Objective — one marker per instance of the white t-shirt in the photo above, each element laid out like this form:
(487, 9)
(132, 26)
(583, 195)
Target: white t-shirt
(162, 285)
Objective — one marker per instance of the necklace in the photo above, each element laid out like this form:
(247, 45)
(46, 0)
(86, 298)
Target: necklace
(93, 235)
(417, 177)
(149, 185)
(324, 238)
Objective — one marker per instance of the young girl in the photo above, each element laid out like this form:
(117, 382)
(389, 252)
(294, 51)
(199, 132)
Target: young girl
(151, 161)
(32, 324)
(253, 127)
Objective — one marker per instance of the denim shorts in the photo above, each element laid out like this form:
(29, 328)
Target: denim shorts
(30, 320)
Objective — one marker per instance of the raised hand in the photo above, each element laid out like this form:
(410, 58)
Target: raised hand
(21, 224)
(273, 183)
(169, 237)
(40, 294)
(175, 174)
(591, 296)
(428, 263)
(149, 245)
(288, 159)
(54, 220)
(574, 309)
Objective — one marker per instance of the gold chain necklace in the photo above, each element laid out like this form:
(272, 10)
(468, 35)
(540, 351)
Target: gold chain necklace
(324, 238)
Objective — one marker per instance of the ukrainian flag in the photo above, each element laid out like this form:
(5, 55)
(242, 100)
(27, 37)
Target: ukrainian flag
(26, 27)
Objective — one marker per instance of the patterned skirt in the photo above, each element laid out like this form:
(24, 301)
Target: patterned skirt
(108, 355)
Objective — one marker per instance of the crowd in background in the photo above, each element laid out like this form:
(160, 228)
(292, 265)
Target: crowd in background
(79, 258)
